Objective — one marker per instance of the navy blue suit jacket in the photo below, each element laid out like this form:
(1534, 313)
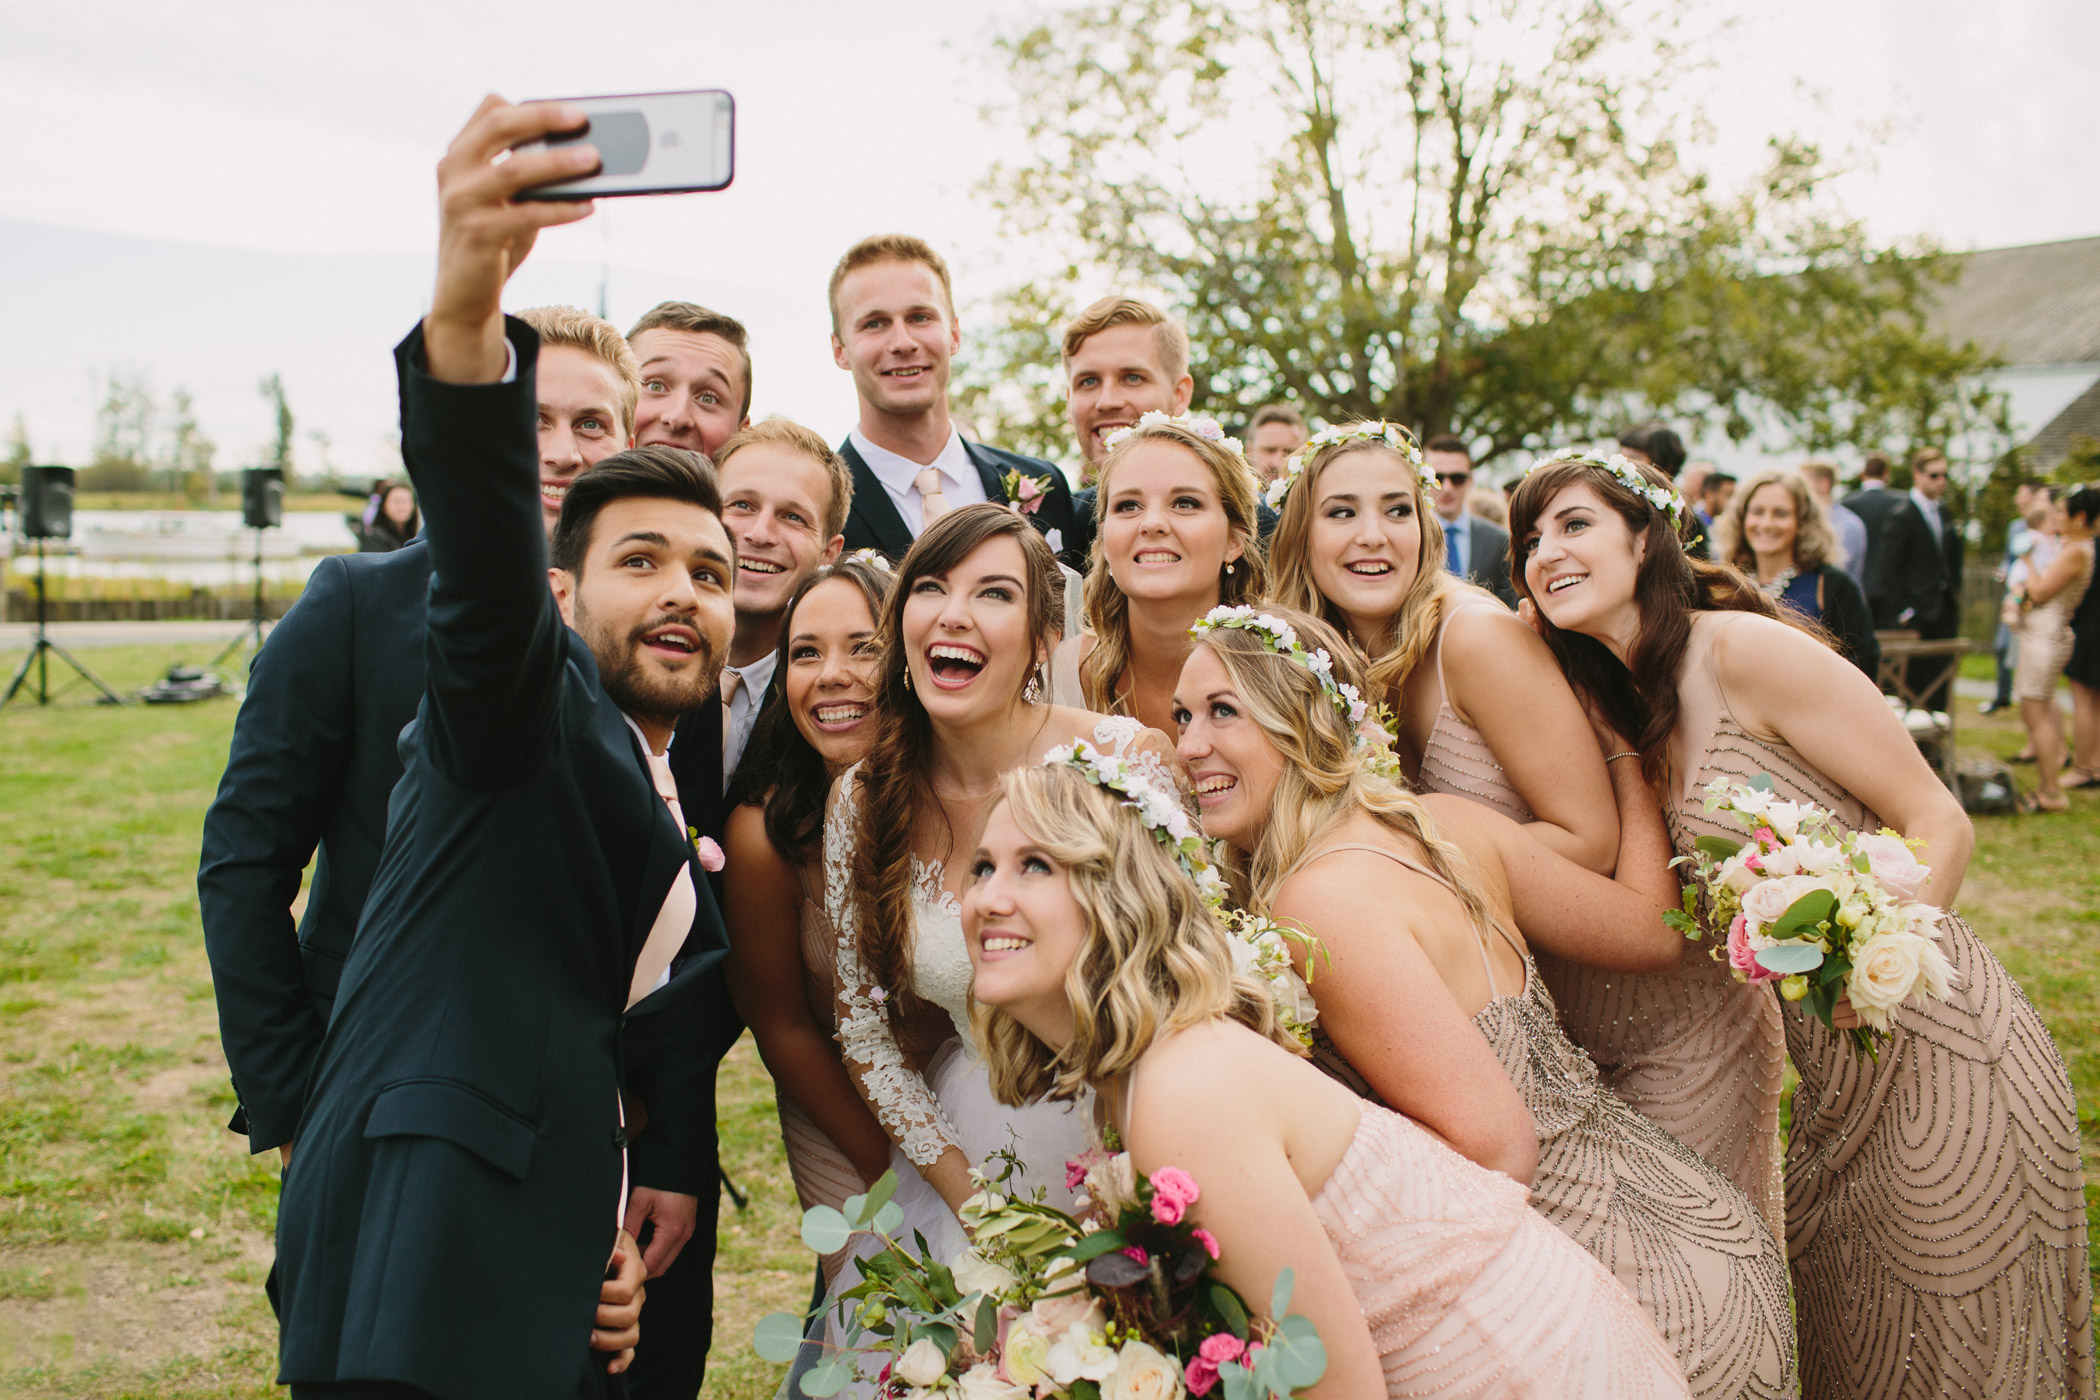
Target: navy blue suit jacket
(446, 1219)
(874, 522)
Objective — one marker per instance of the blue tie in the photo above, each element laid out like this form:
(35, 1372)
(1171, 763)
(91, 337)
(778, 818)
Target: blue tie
(1451, 559)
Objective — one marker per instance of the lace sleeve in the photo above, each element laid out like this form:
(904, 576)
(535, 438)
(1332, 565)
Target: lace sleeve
(903, 1104)
(1119, 735)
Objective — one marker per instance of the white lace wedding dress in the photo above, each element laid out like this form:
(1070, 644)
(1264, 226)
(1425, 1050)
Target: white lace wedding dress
(951, 1104)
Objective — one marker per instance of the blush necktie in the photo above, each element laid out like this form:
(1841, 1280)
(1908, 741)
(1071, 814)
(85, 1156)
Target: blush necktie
(932, 503)
(674, 921)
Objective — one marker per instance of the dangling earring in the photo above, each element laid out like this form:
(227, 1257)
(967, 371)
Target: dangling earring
(1229, 566)
(907, 680)
(1033, 691)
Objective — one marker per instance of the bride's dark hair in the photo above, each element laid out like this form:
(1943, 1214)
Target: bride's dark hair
(892, 788)
(1669, 585)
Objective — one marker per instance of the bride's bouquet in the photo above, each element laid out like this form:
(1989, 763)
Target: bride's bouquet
(1116, 1303)
(1823, 913)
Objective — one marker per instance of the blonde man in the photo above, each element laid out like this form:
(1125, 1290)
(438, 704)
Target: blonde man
(1123, 358)
(588, 382)
(785, 495)
(893, 328)
(1277, 430)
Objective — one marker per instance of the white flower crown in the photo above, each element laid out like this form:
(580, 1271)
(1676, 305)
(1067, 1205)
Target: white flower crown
(1158, 808)
(1661, 497)
(1390, 435)
(874, 559)
(1281, 638)
(1202, 427)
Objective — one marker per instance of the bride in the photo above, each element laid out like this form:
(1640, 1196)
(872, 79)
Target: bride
(969, 624)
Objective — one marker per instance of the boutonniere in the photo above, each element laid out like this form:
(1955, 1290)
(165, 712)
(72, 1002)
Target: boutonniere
(711, 858)
(1024, 494)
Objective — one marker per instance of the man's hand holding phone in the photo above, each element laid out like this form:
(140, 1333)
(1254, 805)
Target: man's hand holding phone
(485, 232)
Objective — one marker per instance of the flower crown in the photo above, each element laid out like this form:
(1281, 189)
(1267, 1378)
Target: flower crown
(1390, 435)
(1156, 804)
(1281, 638)
(1202, 427)
(1629, 475)
(874, 559)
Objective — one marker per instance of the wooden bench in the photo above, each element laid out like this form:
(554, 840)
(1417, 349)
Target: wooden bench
(1927, 711)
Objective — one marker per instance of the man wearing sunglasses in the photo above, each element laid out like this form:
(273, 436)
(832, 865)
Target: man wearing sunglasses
(1476, 550)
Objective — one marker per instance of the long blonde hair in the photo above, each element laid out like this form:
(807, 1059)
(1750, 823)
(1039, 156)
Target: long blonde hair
(1412, 629)
(1155, 960)
(1108, 607)
(1325, 778)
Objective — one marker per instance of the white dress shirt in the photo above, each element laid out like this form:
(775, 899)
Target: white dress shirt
(960, 483)
(744, 705)
(1930, 509)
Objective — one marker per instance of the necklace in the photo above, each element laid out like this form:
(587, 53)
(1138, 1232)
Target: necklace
(1777, 586)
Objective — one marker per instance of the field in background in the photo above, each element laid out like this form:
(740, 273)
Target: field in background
(134, 1230)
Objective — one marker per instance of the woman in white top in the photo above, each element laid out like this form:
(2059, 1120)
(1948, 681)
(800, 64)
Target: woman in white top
(970, 620)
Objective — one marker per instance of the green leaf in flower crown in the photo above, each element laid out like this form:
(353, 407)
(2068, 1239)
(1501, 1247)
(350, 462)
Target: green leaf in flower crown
(1719, 847)
(826, 1378)
(1789, 958)
(777, 1337)
(1280, 1300)
(1229, 1309)
(1815, 907)
(825, 1230)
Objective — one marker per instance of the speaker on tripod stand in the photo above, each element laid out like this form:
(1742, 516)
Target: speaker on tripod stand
(262, 508)
(47, 514)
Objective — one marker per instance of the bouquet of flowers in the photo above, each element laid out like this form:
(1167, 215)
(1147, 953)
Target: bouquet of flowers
(1820, 912)
(1116, 1303)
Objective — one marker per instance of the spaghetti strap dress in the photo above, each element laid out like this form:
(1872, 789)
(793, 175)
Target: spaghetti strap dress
(1935, 1210)
(1693, 1051)
(1675, 1232)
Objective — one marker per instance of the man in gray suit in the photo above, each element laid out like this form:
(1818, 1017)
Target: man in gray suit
(1476, 550)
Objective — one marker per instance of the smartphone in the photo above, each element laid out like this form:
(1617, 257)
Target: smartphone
(650, 143)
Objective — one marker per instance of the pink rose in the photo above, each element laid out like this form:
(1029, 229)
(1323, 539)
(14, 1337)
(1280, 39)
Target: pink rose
(1220, 1348)
(1766, 837)
(1028, 490)
(1893, 863)
(1207, 1240)
(1075, 1174)
(1174, 1182)
(1167, 1210)
(1741, 956)
(1200, 1376)
(710, 854)
(1136, 1254)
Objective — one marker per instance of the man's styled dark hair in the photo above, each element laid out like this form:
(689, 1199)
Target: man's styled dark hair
(1714, 482)
(656, 472)
(1876, 467)
(1449, 442)
(1660, 443)
(695, 319)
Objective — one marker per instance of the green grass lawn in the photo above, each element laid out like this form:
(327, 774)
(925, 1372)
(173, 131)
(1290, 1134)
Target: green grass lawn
(135, 1231)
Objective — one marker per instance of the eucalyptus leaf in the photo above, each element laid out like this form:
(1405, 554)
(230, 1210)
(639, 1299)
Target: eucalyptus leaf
(889, 1217)
(1096, 1244)
(825, 1230)
(1230, 1310)
(1789, 958)
(1719, 847)
(1762, 782)
(777, 1337)
(826, 1378)
(854, 1208)
(987, 1329)
(879, 1194)
(1300, 1355)
(1239, 1382)
(1280, 1300)
(1813, 908)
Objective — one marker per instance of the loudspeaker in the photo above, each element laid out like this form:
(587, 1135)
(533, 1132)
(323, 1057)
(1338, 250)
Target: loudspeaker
(262, 497)
(47, 503)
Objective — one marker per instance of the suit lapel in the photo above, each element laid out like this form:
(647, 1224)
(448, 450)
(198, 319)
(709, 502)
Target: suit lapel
(988, 472)
(872, 503)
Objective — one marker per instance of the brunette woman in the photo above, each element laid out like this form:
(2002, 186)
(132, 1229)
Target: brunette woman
(1426, 992)
(1175, 537)
(1935, 1214)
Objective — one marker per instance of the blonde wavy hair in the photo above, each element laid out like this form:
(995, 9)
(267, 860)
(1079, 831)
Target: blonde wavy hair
(1155, 960)
(1108, 607)
(1815, 543)
(1412, 629)
(1325, 778)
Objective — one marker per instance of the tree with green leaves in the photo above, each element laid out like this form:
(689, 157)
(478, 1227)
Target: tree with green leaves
(272, 390)
(1475, 218)
(18, 453)
(125, 423)
(188, 455)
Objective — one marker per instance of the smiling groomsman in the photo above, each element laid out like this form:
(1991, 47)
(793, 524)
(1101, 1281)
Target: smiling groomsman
(893, 328)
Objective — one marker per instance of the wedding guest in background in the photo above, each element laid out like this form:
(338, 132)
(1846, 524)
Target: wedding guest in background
(1482, 709)
(1935, 1215)
(2082, 669)
(1916, 583)
(1486, 503)
(1874, 503)
(316, 754)
(1475, 550)
(1175, 539)
(785, 495)
(696, 377)
(2042, 605)
(1851, 531)
(1274, 433)
(536, 927)
(1427, 904)
(1716, 492)
(1659, 446)
(1776, 533)
(2004, 651)
(1100, 971)
(395, 524)
(817, 721)
(893, 328)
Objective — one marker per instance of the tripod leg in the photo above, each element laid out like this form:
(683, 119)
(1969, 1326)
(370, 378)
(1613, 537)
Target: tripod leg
(22, 671)
(109, 696)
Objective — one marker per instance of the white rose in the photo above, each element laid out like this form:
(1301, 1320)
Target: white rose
(923, 1363)
(1784, 861)
(981, 1382)
(1893, 863)
(1078, 1354)
(1785, 817)
(1735, 872)
(1816, 858)
(1765, 901)
(1026, 1353)
(976, 1274)
(1142, 1373)
(1886, 969)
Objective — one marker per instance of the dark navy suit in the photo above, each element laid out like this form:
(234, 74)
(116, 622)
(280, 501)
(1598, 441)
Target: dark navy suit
(874, 522)
(448, 1213)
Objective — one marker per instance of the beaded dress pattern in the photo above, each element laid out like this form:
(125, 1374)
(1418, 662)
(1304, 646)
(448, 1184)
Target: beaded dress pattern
(1696, 1053)
(1935, 1208)
(1469, 1293)
(1678, 1235)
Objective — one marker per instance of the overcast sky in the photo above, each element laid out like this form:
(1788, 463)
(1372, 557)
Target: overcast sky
(207, 191)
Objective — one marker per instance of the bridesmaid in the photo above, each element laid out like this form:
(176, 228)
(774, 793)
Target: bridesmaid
(1098, 967)
(1483, 711)
(1431, 1005)
(817, 719)
(1934, 1212)
(1176, 537)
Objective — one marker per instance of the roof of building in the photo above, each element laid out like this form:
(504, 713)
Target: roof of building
(2033, 305)
(2080, 419)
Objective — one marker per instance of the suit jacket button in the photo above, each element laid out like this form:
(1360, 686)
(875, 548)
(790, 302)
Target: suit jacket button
(619, 1137)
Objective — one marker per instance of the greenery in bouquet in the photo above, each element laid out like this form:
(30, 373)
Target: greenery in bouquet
(1116, 1303)
(1261, 949)
(1822, 912)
